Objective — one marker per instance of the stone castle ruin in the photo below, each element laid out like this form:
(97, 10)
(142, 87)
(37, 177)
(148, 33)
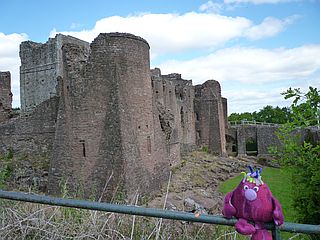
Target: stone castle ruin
(102, 116)
(107, 122)
(5, 96)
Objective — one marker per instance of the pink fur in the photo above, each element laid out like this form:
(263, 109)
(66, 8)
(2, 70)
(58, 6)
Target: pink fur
(261, 208)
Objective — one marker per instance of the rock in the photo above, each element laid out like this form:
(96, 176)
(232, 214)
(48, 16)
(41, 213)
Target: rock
(192, 206)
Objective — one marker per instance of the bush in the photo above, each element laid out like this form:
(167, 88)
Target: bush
(304, 158)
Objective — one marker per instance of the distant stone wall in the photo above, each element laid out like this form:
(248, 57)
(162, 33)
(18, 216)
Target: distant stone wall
(5, 96)
(263, 135)
(225, 111)
(174, 99)
(41, 64)
(267, 138)
(209, 114)
(245, 133)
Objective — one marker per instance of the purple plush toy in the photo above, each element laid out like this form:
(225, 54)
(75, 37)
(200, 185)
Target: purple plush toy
(252, 201)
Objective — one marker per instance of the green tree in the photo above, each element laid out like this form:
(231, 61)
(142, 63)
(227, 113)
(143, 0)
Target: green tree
(303, 157)
(246, 116)
(268, 114)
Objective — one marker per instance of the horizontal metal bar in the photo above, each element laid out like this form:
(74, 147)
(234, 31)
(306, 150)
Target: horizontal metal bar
(108, 207)
(148, 212)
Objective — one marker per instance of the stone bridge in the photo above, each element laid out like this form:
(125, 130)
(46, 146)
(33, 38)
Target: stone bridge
(251, 138)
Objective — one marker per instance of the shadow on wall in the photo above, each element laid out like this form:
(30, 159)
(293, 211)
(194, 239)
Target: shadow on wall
(251, 147)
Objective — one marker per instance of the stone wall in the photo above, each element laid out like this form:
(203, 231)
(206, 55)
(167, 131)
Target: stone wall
(108, 130)
(5, 96)
(209, 114)
(41, 64)
(174, 99)
(264, 136)
(30, 134)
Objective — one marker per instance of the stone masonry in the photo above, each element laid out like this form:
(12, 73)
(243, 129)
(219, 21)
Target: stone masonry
(174, 99)
(5, 96)
(103, 117)
(41, 64)
(210, 117)
(105, 126)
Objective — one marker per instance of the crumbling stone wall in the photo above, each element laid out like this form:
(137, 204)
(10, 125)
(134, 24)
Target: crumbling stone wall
(174, 98)
(30, 134)
(108, 130)
(225, 111)
(266, 138)
(5, 96)
(245, 133)
(209, 114)
(41, 64)
(263, 135)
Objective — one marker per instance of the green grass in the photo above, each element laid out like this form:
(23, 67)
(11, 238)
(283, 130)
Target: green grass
(279, 182)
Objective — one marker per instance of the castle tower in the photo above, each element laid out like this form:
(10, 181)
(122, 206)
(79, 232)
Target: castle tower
(210, 117)
(110, 131)
(41, 65)
(5, 96)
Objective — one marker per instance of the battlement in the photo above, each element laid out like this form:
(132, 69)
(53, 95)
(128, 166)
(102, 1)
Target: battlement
(123, 35)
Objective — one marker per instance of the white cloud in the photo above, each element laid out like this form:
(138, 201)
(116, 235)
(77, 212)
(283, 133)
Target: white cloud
(252, 78)
(10, 61)
(244, 100)
(269, 27)
(167, 33)
(172, 33)
(250, 65)
(212, 7)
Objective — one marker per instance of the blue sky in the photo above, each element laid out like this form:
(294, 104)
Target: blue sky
(254, 48)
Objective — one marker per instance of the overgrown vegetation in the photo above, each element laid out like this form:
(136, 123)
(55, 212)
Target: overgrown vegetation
(303, 157)
(6, 168)
(34, 221)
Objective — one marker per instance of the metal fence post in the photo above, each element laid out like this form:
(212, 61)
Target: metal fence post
(276, 233)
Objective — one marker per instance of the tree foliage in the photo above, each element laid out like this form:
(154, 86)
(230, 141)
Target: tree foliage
(303, 156)
(267, 114)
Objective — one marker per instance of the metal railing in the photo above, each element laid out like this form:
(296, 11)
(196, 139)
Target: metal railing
(152, 212)
(245, 122)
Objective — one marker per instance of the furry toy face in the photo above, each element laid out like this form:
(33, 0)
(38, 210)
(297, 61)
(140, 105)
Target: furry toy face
(253, 202)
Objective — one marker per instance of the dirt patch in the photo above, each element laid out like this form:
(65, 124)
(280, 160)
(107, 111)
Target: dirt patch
(194, 182)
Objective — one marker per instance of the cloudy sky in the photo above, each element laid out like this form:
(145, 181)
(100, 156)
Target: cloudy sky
(256, 49)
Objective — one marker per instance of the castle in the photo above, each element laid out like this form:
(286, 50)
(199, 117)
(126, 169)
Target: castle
(103, 117)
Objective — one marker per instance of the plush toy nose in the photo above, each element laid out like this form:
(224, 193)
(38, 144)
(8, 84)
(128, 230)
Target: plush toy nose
(250, 194)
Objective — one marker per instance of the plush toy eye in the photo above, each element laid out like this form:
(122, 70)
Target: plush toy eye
(256, 189)
(245, 187)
